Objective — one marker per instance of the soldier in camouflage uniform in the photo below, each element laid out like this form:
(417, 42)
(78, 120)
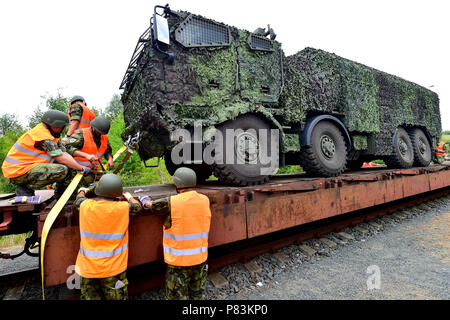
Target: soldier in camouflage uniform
(79, 115)
(39, 171)
(182, 282)
(105, 289)
(113, 287)
(100, 126)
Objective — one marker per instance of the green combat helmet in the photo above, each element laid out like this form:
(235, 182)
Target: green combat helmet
(77, 98)
(184, 178)
(109, 186)
(101, 124)
(55, 118)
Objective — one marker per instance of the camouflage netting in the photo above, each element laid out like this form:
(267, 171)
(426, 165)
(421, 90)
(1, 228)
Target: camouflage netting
(218, 83)
(213, 84)
(259, 70)
(367, 100)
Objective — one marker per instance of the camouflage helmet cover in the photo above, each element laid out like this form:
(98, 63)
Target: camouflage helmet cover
(77, 98)
(109, 186)
(184, 178)
(55, 118)
(101, 124)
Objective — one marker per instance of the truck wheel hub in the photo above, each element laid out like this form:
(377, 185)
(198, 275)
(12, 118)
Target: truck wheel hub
(327, 146)
(422, 146)
(403, 147)
(247, 147)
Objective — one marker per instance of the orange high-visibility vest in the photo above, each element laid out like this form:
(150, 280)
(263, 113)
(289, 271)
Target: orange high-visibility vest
(86, 117)
(440, 149)
(185, 243)
(90, 147)
(104, 238)
(24, 156)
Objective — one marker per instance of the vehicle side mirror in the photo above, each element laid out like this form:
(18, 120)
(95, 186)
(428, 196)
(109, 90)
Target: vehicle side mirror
(161, 29)
(161, 34)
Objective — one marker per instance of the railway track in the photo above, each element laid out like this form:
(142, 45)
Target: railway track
(146, 277)
(13, 284)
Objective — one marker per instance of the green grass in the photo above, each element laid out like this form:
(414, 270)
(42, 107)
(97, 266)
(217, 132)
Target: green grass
(13, 240)
(445, 138)
(289, 169)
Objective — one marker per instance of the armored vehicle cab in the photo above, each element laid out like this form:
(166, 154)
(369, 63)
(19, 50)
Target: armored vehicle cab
(227, 101)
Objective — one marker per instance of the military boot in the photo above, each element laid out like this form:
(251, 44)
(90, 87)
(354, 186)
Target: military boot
(24, 191)
(59, 190)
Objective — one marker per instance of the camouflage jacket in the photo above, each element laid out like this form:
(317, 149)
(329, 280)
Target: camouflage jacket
(162, 207)
(76, 112)
(134, 208)
(76, 142)
(52, 148)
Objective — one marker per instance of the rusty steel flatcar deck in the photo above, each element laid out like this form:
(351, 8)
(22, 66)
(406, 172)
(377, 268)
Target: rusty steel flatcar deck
(243, 213)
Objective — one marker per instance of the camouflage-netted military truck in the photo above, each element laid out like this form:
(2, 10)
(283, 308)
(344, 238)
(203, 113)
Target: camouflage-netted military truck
(331, 113)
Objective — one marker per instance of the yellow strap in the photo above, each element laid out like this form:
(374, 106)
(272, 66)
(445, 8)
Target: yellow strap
(119, 152)
(51, 217)
(117, 155)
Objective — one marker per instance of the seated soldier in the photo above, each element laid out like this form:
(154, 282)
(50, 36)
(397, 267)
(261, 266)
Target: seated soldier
(80, 116)
(29, 162)
(89, 145)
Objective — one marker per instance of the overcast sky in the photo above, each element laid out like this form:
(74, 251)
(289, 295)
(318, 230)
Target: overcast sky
(84, 46)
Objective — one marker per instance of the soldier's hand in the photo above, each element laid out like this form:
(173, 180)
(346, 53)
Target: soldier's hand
(82, 189)
(145, 200)
(65, 140)
(110, 164)
(127, 196)
(85, 170)
(92, 158)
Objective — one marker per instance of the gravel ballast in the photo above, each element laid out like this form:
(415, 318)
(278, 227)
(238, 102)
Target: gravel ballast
(410, 249)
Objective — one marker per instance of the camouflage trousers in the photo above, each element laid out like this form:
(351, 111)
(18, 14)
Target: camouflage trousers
(186, 283)
(85, 181)
(42, 175)
(111, 288)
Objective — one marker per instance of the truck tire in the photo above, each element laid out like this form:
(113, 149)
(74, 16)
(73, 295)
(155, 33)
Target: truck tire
(202, 171)
(421, 147)
(246, 146)
(403, 156)
(327, 154)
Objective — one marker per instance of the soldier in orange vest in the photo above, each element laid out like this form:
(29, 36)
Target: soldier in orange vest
(185, 237)
(103, 257)
(29, 162)
(90, 145)
(80, 116)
